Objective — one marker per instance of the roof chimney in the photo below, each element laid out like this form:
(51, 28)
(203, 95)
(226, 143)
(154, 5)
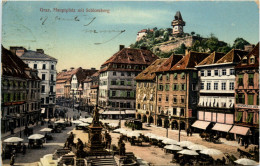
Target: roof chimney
(121, 47)
(40, 51)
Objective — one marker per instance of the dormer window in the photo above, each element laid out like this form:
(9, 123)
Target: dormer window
(252, 59)
(244, 60)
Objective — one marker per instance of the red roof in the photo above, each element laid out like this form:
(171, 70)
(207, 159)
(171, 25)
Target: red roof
(168, 64)
(212, 58)
(12, 65)
(254, 52)
(233, 56)
(149, 72)
(190, 60)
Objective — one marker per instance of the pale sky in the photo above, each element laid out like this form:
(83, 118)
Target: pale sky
(69, 36)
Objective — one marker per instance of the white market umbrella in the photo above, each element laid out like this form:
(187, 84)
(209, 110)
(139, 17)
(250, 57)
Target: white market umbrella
(123, 131)
(13, 140)
(211, 152)
(245, 161)
(117, 130)
(172, 147)
(197, 147)
(76, 121)
(154, 137)
(188, 152)
(161, 138)
(186, 143)
(149, 135)
(36, 136)
(170, 141)
(46, 129)
(83, 124)
(133, 134)
(113, 124)
(60, 121)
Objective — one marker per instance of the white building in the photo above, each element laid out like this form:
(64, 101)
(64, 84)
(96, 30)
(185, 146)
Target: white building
(46, 66)
(116, 81)
(216, 94)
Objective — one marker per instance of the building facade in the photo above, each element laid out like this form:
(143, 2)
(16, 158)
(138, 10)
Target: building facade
(178, 92)
(247, 97)
(217, 83)
(46, 66)
(20, 102)
(146, 89)
(116, 81)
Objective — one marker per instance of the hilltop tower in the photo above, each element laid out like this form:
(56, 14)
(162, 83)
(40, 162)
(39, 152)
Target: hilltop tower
(177, 24)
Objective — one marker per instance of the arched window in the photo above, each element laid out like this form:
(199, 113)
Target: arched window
(252, 59)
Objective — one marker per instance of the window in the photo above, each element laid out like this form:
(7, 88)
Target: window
(128, 74)
(216, 72)
(209, 73)
(224, 72)
(252, 60)
(202, 73)
(122, 74)
(182, 99)
(215, 86)
(42, 100)
(167, 87)
(182, 112)
(122, 82)
(250, 116)
(208, 86)
(151, 107)
(117, 104)
(182, 75)
(240, 79)
(52, 77)
(175, 76)
(128, 94)
(51, 88)
(193, 86)
(174, 111)
(257, 100)
(47, 100)
(138, 106)
(35, 66)
(52, 67)
(223, 86)
(113, 82)
(167, 98)
(183, 86)
(160, 87)
(174, 99)
(232, 71)
(175, 86)
(202, 86)
(144, 107)
(167, 76)
(231, 86)
(160, 77)
(250, 99)
(251, 79)
(114, 73)
(113, 93)
(239, 116)
(194, 75)
(160, 98)
(43, 66)
(43, 89)
(43, 76)
(240, 98)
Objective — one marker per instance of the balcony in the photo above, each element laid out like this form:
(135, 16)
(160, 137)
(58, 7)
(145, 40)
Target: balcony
(52, 93)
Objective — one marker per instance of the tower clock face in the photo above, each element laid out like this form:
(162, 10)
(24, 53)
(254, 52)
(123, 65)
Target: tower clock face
(176, 28)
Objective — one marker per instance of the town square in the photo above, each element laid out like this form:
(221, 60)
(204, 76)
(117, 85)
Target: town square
(129, 83)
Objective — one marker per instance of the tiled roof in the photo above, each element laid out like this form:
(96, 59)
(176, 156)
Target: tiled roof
(149, 72)
(178, 16)
(12, 65)
(212, 58)
(93, 77)
(190, 60)
(33, 55)
(254, 52)
(233, 56)
(64, 76)
(170, 62)
(132, 56)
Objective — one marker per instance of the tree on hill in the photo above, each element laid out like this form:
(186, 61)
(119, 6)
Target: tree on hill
(239, 43)
(181, 49)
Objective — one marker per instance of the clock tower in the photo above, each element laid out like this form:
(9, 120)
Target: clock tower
(177, 24)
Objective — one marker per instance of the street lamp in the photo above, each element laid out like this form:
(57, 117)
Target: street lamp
(167, 126)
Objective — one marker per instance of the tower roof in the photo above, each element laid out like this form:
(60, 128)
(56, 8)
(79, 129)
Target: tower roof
(178, 16)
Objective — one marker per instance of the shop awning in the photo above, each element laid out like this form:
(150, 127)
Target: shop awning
(43, 110)
(240, 130)
(130, 111)
(113, 112)
(200, 124)
(222, 127)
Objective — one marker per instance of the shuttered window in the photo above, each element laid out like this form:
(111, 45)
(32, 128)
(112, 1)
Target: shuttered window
(240, 79)
(239, 116)
(250, 117)
(251, 79)
(250, 99)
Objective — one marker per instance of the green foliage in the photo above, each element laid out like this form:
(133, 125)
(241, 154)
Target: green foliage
(239, 43)
(181, 49)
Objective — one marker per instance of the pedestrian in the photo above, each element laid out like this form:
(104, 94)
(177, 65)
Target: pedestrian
(12, 160)
(24, 149)
(13, 151)
(188, 132)
(239, 139)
